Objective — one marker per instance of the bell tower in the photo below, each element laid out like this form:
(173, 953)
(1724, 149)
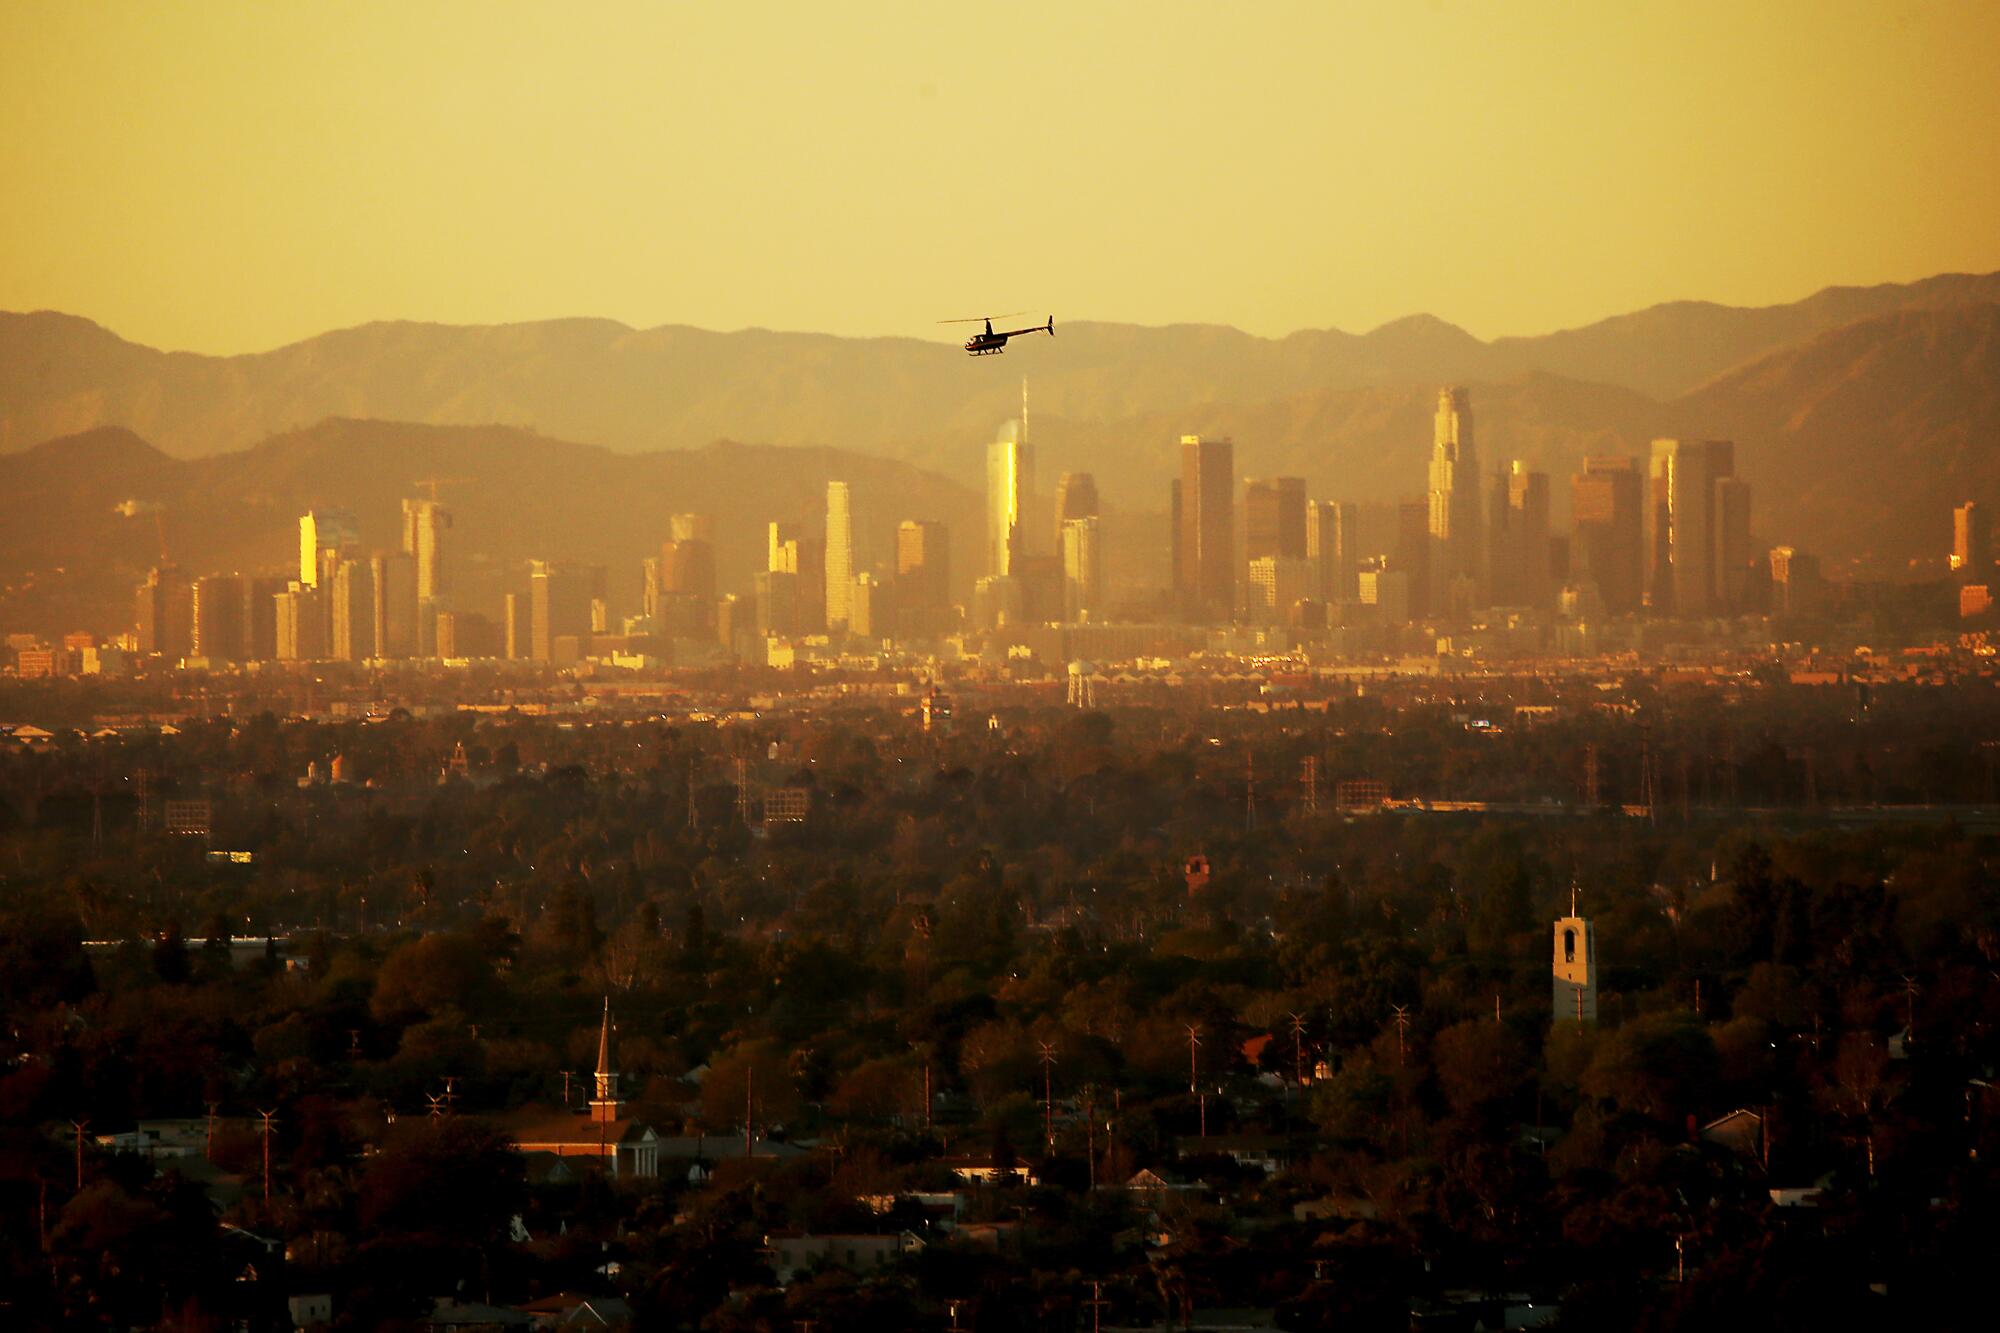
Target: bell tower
(1574, 973)
(605, 1105)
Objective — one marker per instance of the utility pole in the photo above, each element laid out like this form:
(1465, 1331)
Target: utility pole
(749, 1111)
(1250, 789)
(1402, 1029)
(1048, 1094)
(1194, 1042)
(79, 1126)
(1298, 1049)
(1096, 1304)
(208, 1133)
(450, 1082)
(1909, 1009)
(267, 1155)
(1496, 1005)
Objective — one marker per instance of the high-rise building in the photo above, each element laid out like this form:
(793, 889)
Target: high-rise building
(1279, 583)
(425, 523)
(1732, 546)
(395, 605)
(683, 601)
(923, 576)
(839, 557)
(323, 535)
(1010, 486)
(1413, 555)
(559, 606)
(1797, 587)
(1518, 538)
(777, 603)
(1076, 497)
(1454, 517)
(165, 613)
(1206, 574)
(1609, 532)
(1083, 569)
(260, 615)
(870, 607)
(692, 528)
(513, 628)
(1331, 534)
(803, 557)
(1971, 540)
(1274, 518)
(219, 603)
(353, 612)
(1682, 527)
(300, 623)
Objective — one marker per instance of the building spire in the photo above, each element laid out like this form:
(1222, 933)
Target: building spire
(605, 1105)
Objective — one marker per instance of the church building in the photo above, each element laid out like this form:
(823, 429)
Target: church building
(624, 1146)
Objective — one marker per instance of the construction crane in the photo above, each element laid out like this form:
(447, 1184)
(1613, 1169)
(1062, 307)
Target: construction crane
(435, 482)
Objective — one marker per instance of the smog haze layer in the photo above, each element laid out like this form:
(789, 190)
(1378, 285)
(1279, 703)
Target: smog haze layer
(225, 180)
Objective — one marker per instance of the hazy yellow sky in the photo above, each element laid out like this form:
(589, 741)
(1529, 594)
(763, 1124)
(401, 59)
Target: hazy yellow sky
(227, 177)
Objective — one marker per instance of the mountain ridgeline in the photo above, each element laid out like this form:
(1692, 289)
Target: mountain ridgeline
(1861, 416)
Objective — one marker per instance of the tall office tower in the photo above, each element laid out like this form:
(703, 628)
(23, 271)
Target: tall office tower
(395, 609)
(165, 613)
(353, 612)
(1454, 512)
(1076, 497)
(777, 603)
(218, 618)
(323, 535)
(692, 528)
(1279, 583)
(1010, 487)
(1174, 537)
(1732, 546)
(923, 576)
(1971, 540)
(300, 624)
(649, 587)
(792, 552)
(1609, 540)
(559, 607)
(1519, 575)
(425, 523)
(683, 603)
(1413, 554)
(1274, 518)
(513, 627)
(1681, 526)
(870, 607)
(1331, 534)
(1207, 573)
(1083, 569)
(1797, 589)
(260, 616)
(839, 557)
(735, 621)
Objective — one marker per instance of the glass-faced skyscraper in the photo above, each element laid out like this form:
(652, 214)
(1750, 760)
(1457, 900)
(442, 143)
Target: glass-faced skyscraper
(839, 557)
(1457, 538)
(1205, 553)
(1010, 487)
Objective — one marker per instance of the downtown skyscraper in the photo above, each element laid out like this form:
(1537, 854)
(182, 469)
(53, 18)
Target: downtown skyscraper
(1697, 528)
(1457, 563)
(1205, 529)
(1010, 488)
(839, 557)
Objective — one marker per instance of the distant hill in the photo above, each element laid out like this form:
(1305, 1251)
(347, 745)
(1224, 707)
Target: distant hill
(1857, 442)
(66, 556)
(600, 382)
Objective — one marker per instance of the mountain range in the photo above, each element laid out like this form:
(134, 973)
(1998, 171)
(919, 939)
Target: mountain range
(1860, 414)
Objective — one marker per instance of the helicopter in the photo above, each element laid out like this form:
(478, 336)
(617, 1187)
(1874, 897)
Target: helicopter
(989, 342)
